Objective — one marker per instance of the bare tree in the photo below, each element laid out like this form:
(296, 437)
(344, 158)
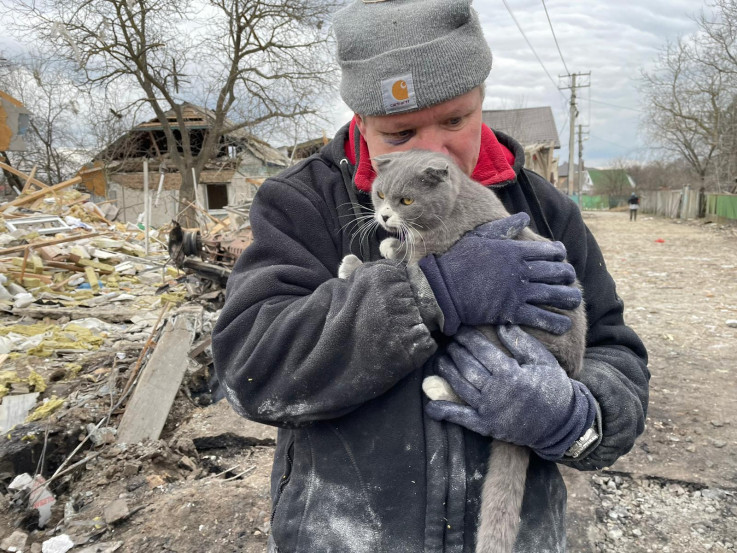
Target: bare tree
(658, 173)
(248, 61)
(718, 51)
(55, 104)
(690, 98)
(684, 104)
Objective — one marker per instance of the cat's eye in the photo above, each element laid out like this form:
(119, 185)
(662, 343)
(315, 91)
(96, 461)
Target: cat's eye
(407, 201)
(380, 195)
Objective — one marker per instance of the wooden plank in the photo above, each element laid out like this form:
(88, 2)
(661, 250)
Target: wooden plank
(65, 266)
(53, 242)
(111, 314)
(49, 253)
(42, 278)
(29, 179)
(159, 382)
(22, 200)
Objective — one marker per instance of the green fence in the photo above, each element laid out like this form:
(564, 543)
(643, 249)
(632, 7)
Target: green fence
(683, 203)
(590, 203)
(721, 205)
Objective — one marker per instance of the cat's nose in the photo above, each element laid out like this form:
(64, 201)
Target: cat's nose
(385, 217)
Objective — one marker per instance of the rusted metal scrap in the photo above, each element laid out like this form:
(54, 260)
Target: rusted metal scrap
(211, 257)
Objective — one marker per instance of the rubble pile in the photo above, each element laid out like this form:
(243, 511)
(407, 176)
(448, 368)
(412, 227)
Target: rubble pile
(104, 350)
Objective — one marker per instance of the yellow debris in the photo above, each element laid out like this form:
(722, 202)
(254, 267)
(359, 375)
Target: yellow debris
(36, 381)
(72, 369)
(46, 409)
(174, 297)
(6, 379)
(92, 278)
(26, 330)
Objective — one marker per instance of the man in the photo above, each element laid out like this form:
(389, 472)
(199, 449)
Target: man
(634, 203)
(363, 462)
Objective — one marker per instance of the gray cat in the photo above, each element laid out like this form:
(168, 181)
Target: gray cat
(428, 203)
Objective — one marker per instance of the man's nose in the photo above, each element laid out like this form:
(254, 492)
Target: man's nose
(431, 139)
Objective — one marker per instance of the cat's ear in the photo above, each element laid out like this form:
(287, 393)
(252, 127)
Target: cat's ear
(382, 162)
(437, 172)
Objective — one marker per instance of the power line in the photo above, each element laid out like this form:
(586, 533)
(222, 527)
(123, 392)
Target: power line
(531, 48)
(555, 38)
(627, 148)
(614, 105)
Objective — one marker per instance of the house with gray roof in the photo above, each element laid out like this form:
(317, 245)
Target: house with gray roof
(535, 129)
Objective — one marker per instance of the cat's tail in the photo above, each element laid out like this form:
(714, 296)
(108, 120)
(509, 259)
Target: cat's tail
(501, 498)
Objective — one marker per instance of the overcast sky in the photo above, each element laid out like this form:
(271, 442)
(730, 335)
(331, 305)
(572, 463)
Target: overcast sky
(612, 40)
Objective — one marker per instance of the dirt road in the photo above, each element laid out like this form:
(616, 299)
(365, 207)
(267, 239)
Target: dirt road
(679, 285)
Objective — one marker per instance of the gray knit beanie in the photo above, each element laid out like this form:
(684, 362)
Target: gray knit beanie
(405, 55)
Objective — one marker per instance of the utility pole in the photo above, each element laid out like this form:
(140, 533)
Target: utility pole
(580, 164)
(575, 84)
(572, 134)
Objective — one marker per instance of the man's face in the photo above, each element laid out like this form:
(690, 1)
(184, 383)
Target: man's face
(452, 128)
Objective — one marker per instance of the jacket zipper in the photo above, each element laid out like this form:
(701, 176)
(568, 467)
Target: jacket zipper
(284, 480)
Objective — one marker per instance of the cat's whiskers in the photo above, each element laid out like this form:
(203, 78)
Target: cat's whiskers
(357, 221)
(415, 227)
(410, 240)
(367, 228)
(364, 228)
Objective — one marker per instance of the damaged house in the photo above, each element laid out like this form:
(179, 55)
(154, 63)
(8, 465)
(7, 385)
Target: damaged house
(230, 178)
(535, 129)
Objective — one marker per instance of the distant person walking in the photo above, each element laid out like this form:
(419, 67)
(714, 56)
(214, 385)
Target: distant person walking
(634, 203)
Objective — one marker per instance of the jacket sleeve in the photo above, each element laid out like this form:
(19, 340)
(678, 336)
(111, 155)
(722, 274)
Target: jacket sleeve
(293, 343)
(615, 364)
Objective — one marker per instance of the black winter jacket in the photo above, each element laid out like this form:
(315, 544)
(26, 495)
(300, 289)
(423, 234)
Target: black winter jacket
(337, 365)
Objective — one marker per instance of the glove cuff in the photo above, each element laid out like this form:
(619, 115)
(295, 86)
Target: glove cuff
(583, 415)
(429, 266)
(430, 311)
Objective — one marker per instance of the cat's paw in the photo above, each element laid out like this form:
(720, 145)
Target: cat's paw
(437, 388)
(389, 248)
(349, 264)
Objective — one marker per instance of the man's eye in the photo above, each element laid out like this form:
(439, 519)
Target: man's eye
(407, 201)
(399, 137)
(455, 121)
(380, 195)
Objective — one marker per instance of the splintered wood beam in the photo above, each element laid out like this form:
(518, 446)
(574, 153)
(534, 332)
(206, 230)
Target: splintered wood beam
(22, 200)
(53, 242)
(148, 407)
(28, 178)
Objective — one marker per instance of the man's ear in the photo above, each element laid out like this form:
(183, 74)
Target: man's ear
(361, 124)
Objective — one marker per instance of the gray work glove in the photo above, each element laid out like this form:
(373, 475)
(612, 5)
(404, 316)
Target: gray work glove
(486, 278)
(526, 399)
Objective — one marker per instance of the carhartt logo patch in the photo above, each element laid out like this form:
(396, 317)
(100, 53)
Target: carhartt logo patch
(398, 93)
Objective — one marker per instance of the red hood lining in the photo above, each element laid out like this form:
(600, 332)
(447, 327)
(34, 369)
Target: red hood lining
(493, 167)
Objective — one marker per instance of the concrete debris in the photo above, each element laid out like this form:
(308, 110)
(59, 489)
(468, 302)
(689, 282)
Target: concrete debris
(116, 511)
(58, 544)
(14, 410)
(15, 542)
